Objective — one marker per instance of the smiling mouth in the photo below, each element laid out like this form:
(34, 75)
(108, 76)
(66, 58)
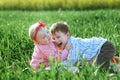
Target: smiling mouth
(60, 44)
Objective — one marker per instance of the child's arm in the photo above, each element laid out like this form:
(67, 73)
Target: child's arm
(35, 62)
(64, 53)
(59, 54)
(36, 59)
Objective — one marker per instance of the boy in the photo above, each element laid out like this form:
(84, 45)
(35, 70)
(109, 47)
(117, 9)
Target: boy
(83, 48)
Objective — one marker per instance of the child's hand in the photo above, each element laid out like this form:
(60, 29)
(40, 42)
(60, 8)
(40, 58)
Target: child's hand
(68, 46)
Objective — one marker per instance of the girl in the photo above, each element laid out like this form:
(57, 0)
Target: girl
(44, 46)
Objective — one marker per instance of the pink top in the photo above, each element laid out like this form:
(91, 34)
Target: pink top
(42, 53)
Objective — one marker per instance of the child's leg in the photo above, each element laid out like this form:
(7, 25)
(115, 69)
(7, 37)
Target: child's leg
(106, 55)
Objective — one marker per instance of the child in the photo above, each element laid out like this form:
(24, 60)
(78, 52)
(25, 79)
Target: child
(83, 48)
(44, 46)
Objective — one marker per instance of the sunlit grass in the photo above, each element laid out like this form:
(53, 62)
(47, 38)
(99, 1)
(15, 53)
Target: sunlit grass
(16, 48)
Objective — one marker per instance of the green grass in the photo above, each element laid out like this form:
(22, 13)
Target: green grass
(16, 48)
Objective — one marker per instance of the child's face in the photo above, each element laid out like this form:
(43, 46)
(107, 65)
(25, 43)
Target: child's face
(44, 36)
(61, 39)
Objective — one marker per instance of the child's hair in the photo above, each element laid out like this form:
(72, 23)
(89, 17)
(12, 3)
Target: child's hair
(34, 29)
(59, 26)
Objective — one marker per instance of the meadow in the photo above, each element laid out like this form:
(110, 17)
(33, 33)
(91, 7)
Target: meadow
(16, 48)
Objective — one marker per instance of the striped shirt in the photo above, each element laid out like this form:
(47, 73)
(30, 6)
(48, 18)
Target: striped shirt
(83, 48)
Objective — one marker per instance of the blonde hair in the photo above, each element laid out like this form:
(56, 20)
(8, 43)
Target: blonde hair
(32, 30)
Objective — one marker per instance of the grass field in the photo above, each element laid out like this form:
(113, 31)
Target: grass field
(16, 47)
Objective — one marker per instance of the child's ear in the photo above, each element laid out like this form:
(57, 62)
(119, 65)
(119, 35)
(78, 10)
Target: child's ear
(37, 41)
(68, 33)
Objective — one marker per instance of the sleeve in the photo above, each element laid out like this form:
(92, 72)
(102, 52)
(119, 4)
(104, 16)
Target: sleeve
(36, 59)
(63, 54)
